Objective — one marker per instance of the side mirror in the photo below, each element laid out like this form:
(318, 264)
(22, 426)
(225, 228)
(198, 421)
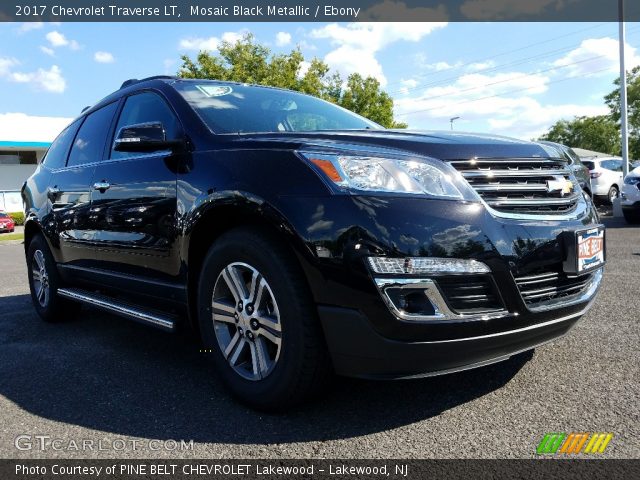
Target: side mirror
(143, 137)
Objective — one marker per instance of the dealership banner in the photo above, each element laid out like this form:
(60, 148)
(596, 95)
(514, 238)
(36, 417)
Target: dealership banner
(318, 10)
(316, 469)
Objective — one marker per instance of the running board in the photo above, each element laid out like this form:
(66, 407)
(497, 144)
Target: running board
(126, 310)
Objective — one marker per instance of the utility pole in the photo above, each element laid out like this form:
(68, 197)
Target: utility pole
(623, 93)
(451, 120)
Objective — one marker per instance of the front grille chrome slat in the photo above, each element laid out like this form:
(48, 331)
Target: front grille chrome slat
(522, 186)
(551, 286)
(532, 201)
(511, 173)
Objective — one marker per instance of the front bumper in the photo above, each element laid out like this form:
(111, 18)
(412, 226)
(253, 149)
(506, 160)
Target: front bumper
(365, 337)
(357, 350)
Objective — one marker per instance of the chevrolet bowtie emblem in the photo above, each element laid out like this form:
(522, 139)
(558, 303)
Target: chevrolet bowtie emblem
(560, 184)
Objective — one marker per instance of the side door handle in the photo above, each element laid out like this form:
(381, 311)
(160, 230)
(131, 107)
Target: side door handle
(101, 186)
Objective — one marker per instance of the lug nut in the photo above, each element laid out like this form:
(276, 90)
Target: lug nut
(240, 306)
(254, 324)
(250, 335)
(240, 331)
(237, 318)
(249, 309)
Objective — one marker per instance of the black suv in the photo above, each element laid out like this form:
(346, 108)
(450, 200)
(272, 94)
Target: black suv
(300, 239)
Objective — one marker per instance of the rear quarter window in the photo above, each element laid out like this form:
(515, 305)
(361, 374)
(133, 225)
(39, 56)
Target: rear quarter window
(56, 156)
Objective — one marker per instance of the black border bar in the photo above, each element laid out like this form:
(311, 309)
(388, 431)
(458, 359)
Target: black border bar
(318, 10)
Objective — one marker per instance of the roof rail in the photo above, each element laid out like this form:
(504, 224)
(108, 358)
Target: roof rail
(131, 81)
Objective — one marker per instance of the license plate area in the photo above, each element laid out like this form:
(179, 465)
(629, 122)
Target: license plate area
(585, 251)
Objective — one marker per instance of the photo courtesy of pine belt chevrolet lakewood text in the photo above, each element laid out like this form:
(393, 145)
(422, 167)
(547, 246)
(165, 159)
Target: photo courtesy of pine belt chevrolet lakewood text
(301, 240)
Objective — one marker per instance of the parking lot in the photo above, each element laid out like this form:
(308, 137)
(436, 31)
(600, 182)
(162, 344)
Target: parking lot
(102, 378)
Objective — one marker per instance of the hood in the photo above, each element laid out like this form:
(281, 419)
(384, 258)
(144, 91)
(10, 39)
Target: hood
(441, 145)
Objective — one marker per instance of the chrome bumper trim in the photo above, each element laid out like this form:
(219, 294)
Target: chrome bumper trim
(442, 312)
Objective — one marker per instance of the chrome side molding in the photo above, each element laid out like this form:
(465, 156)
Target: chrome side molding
(119, 308)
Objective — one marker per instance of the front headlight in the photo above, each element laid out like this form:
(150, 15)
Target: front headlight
(413, 176)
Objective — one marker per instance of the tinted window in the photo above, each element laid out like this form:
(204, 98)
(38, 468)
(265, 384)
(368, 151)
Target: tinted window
(89, 143)
(572, 156)
(231, 108)
(56, 156)
(143, 108)
(590, 165)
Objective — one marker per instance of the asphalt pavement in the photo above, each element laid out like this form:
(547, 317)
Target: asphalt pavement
(132, 390)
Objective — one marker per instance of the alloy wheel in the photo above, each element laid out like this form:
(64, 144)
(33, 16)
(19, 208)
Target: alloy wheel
(246, 321)
(40, 278)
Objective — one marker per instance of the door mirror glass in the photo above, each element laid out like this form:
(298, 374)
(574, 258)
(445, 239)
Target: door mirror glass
(143, 137)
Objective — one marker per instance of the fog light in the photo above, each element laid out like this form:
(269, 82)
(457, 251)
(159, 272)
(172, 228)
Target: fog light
(411, 301)
(425, 265)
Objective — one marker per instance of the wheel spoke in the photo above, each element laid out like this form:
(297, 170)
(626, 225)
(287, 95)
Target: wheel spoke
(268, 321)
(255, 365)
(269, 335)
(224, 318)
(40, 292)
(36, 275)
(234, 349)
(262, 356)
(257, 289)
(223, 307)
(235, 283)
(39, 258)
(223, 312)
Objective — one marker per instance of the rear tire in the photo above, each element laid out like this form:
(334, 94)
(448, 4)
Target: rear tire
(44, 282)
(270, 350)
(613, 194)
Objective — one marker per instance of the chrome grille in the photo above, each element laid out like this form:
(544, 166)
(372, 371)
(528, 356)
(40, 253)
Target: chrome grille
(551, 286)
(521, 185)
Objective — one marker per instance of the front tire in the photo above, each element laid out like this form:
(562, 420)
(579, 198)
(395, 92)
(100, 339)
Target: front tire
(257, 317)
(613, 194)
(44, 282)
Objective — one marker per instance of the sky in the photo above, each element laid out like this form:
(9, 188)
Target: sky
(514, 79)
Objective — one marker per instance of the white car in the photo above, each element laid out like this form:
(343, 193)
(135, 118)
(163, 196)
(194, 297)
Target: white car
(606, 177)
(630, 196)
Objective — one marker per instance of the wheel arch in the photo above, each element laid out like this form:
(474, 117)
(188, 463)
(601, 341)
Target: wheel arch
(31, 229)
(214, 220)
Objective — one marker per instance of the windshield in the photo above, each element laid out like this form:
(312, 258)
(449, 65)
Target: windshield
(230, 108)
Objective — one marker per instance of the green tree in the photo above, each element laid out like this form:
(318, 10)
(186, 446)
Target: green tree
(633, 100)
(599, 133)
(248, 61)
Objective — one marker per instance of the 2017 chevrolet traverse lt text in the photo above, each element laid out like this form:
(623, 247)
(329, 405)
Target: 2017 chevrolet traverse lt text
(301, 240)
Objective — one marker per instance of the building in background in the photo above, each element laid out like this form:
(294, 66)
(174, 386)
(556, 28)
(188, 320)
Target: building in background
(23, 142)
